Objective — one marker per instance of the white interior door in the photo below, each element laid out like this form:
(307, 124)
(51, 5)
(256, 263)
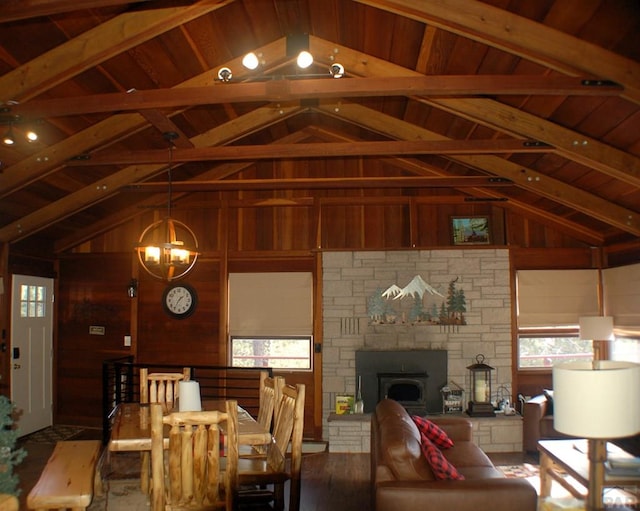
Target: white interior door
(32, 352)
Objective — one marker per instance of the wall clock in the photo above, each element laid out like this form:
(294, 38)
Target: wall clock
(179, 300)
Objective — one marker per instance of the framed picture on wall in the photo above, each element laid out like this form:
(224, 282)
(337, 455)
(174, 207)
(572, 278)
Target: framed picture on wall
(470, 230)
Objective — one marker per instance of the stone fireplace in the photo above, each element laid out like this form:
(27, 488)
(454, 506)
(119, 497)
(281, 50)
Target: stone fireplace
(349, 280)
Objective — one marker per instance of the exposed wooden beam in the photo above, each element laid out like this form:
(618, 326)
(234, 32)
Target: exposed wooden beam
(325, 150)
(318, 88)
(520, 36)
(100, 135)
(323, 183)
(529, 179)
(108, 39)
(489, 194)
(23, 9)
(504, 118)
(107, 187)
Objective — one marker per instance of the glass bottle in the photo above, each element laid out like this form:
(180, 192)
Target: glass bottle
(358, 406)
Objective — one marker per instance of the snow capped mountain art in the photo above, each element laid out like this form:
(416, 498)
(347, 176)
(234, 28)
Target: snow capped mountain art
(426, 308)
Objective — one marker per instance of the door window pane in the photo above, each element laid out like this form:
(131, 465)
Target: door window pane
(32, 301)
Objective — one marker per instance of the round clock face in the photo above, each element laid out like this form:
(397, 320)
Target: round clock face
(179, 300)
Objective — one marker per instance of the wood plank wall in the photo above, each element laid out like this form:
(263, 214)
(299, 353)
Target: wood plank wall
(92, 281)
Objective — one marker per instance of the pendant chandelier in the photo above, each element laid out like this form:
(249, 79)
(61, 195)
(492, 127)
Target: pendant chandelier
(167, 249)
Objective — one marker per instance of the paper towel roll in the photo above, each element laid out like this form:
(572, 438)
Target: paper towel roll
(189, 396)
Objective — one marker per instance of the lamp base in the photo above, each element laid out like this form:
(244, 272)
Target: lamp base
(480, 409)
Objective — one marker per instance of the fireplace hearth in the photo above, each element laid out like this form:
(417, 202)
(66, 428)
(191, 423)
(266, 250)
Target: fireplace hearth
(411, 377)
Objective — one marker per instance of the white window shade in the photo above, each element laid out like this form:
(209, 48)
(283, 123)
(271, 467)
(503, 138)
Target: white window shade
(621, 288)
(278, 303)
(556, 297)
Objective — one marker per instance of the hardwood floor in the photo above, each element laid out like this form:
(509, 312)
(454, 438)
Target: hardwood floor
(330, 481)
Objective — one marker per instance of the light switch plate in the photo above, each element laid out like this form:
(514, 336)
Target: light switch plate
(127, 340)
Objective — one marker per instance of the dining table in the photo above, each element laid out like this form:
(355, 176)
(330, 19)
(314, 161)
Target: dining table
(131, 431)
(131, 427)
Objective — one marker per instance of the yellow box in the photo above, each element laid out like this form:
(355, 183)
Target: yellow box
(344, 404)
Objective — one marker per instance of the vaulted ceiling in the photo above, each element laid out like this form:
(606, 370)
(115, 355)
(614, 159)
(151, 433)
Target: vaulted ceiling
(532, 104)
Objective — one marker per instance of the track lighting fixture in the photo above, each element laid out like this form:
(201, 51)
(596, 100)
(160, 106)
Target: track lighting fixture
(225, 74)
(11, 121)
(337, 70)
(31, 135)
(8, 138)
(250, 61)
(304, 60)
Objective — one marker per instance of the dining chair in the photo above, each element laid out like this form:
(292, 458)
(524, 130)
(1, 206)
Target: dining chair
(158, 388)
(276, 467)
(161, 387)
(270, 392)
(199, 470)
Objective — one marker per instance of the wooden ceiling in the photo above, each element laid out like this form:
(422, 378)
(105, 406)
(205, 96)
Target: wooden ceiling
(534, 104)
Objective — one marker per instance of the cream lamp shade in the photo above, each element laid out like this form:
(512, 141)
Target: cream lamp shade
(596, 328)
(597, 400)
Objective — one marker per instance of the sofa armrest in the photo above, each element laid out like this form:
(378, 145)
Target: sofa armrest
(533, 412)
(499, 494)
(458, 428)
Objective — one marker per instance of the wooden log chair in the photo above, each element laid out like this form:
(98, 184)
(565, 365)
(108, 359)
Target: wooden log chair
(270, 395)
(274, 468)
(193, 474)
(158, 388)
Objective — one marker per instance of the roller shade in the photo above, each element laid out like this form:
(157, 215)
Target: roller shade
(556, 297)
(278, 303)
(621, 288)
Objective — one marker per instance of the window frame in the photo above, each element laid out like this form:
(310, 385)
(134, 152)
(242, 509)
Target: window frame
(548, 333)
(307, 338)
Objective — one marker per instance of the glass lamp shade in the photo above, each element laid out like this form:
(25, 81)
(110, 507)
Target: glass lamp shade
(597, 400)
(167, 249)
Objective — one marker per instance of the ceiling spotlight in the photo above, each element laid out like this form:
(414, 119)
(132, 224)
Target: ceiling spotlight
(250, 61)
(8, 137)
(337, 70)
(225, 74)
(305, 59)
(31, 135)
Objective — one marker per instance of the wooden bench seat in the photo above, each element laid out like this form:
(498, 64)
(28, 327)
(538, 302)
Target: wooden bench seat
(67, 481)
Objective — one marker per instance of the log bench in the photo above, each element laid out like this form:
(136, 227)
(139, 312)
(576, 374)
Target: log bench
(67, 481)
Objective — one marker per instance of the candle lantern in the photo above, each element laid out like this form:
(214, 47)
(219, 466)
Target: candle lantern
(480, 404)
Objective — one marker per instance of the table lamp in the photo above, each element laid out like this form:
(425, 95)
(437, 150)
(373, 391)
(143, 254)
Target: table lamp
(598, 330)
(598, 401)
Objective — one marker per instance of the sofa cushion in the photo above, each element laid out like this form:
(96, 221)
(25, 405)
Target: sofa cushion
(432, 432)
(441, 467)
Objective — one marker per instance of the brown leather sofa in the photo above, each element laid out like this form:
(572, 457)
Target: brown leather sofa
(537, 422)
(401, 477)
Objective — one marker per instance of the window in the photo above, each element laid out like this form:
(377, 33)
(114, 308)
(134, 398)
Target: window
(292, 353)
(542, 350)
(271, 320)
(626, 348)
(32, 301)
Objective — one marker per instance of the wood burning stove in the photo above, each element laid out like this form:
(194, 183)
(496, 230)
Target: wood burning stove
(419, 376)
(408, 389)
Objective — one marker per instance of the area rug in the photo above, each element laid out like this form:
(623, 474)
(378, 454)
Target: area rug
(525, 470)
(53, 434)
